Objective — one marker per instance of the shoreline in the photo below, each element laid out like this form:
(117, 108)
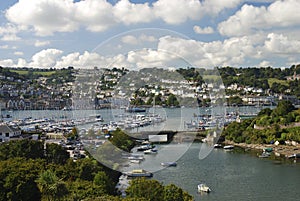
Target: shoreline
(279, 150)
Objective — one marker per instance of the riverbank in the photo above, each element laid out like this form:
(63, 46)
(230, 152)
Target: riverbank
(279, 150)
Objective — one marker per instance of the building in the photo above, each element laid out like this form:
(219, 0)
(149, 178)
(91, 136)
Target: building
(7, 133)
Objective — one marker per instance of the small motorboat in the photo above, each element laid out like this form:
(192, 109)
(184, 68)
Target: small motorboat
(169, 164)
(217, 146)
(203, 188)
(264, 155)
(228, 147)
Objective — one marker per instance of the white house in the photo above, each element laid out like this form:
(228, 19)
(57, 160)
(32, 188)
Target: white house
(7, 132)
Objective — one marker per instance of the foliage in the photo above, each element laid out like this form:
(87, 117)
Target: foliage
(144, 188)
(17, 179)
(234, 100)
(121, 140)
(51, 187)
(22, 148)
(277, 124)
(56, 154)
(172, 100)
(283, 108)
(174, 193)
(152, 190)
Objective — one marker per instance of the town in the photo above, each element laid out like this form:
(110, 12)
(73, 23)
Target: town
(67, 88)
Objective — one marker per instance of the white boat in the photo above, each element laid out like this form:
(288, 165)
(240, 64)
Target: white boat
(203, 188)
(169, 164)
(228, 147)
(150, 151)
(264, 155)
(135, 161)
(217, 146)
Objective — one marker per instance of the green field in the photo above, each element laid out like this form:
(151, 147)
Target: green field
(273, 80)
(25, 72)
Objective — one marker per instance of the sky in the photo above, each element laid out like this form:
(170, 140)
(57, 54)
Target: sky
(138, 34)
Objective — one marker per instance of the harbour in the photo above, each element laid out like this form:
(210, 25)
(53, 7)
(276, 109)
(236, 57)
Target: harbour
(235, 174)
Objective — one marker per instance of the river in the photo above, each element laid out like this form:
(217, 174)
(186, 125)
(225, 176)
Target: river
(232, 175)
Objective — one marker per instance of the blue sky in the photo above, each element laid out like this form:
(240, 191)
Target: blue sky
(137, 34)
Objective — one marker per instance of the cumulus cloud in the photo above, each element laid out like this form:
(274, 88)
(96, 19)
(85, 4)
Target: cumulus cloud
(205, 30)
(265, 63)
(280, 44)
(4, 47)
(7, 63)
(9, 32)
(95, 15)
(46, 17)
(45, 58)
(178, 11)
(18, 53)
(249, 18)
(171, 50)
(130, 13)
(39, 43)
(134, 40)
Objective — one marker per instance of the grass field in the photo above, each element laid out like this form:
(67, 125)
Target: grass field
(273, 80)
(25, 72)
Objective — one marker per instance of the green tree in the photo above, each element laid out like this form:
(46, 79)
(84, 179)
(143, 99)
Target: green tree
(173, 193)
(51, 187)
(172, 100)
(145, 188)
(56, 153)
(22, 148)
(122, 140)
(17, 179)
(101, 179)
(283, 108)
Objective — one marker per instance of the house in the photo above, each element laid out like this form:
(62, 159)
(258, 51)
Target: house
(7, 132)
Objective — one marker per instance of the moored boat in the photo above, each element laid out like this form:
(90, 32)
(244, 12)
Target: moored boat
(169, 164)
(217, 146)
(139, 173)
(150, 151)
(264, 155)
(228, 147)
(203, 188)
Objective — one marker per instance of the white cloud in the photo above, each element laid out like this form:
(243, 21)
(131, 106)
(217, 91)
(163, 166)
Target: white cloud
(45, 58)
(214, 7)
(18, 53)
(134, 40)
(177, 11)
(249, 18)
(129, 39)
(9, 31)
(11, 37)
(39, 43)
(265, 64)
(7, 63)
(44, 16)
(95, 15)
(130, 13)
(280, 44)
(205, 30)
(234, 51)
(4, 47)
